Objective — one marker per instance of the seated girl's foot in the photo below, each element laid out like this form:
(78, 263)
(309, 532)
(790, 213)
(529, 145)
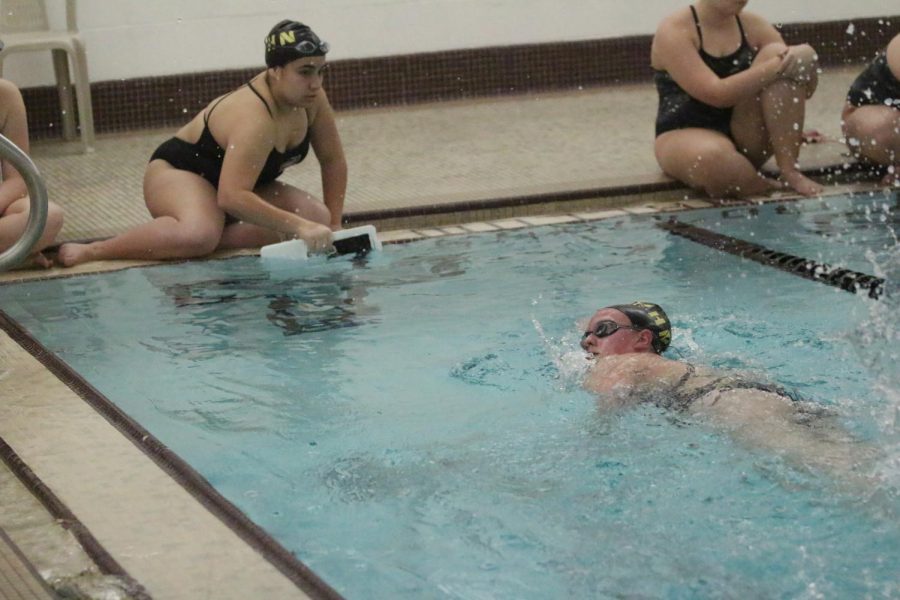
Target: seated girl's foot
(38, 259)
(812, 136)
(71, 254)
(801, 184)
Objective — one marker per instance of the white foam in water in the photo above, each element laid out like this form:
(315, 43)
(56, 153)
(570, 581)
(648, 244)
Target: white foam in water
(569, 360)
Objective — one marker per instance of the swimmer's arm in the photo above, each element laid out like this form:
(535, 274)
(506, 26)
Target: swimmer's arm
(674, 46)
(609, 375)
(326, 143)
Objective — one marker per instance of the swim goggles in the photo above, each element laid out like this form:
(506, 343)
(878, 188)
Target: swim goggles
(309, 47)
(606, 328)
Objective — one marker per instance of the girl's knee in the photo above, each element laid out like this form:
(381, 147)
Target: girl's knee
(320, 213)
(54, 218)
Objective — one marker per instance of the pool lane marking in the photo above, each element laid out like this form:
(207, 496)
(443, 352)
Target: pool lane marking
(196, 485)
(845, 279)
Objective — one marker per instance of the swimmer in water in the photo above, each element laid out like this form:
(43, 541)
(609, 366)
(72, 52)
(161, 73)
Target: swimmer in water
(625, 342)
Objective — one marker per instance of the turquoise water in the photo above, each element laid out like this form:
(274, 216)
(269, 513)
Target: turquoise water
(412, 425)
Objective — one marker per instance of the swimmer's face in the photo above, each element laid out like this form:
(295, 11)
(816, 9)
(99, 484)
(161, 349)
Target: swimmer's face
(621, 341)
(300, 81)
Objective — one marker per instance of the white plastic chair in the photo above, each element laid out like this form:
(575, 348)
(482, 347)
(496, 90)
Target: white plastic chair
(24, 27)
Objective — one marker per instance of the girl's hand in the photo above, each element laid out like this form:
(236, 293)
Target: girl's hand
(318, 237)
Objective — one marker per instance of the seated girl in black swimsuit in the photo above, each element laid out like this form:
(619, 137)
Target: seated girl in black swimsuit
(214, 185)
(871, 115)
(731, 93)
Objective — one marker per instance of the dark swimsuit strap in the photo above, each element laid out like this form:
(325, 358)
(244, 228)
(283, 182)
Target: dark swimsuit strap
(687, 375)
(700, 31)
(213, 107)
(258, 95)
(253, 89)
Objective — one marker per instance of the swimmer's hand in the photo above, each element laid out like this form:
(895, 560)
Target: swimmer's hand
(318, 237)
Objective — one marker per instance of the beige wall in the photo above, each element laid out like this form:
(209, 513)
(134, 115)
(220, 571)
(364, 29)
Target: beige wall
(138, 38)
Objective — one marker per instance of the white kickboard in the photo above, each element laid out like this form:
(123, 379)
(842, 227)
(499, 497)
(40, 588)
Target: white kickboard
(296, 249)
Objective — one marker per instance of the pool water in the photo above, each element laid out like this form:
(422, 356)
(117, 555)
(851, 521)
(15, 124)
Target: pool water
(412, 425)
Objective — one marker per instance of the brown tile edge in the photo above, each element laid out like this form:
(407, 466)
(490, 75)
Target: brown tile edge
(104, 561)
(152, 102)
(23, 560)
(194, 483)
(463, 210)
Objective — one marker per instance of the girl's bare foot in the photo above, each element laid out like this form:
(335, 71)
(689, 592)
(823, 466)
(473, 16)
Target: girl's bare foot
(813, 136)
(801, 184)
(41, 261)
(72, 254)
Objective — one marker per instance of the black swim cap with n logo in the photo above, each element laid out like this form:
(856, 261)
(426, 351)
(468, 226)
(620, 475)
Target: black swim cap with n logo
(290, 40)
(649, 316)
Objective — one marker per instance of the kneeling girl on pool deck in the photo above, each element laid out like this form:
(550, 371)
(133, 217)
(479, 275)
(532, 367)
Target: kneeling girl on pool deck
(214, 185)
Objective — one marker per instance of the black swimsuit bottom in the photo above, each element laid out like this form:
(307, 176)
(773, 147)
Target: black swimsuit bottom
(876, 85)
(678, 110)
(680, 399)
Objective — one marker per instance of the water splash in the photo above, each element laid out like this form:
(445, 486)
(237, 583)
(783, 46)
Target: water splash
(877, 342)
(568, 359)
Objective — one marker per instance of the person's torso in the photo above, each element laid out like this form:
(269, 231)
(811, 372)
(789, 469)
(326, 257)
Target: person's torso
(207, 147)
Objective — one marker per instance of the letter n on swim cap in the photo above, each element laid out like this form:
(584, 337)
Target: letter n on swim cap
(286, 38)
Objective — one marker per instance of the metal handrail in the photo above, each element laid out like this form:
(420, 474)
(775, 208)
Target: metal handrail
(37, 215)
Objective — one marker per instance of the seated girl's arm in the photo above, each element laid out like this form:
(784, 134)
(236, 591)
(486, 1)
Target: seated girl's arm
(676, 53)
(326, 143)
(247, 144)
(800, 63)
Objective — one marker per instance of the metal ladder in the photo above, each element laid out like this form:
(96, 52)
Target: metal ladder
(37, 215)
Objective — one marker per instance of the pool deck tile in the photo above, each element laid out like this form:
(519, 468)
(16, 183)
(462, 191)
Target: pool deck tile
(454, 230)
(431, 233)
(645, 209)
(398, 236)
(600, 214)
(509, 224)
(479, 227)
(549, 220)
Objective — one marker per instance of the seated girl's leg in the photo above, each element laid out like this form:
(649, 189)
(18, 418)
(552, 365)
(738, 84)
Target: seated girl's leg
(772, 122)
(187, 222)
(873, 132)
(708, 160)
(14, 220)
(285, 197)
